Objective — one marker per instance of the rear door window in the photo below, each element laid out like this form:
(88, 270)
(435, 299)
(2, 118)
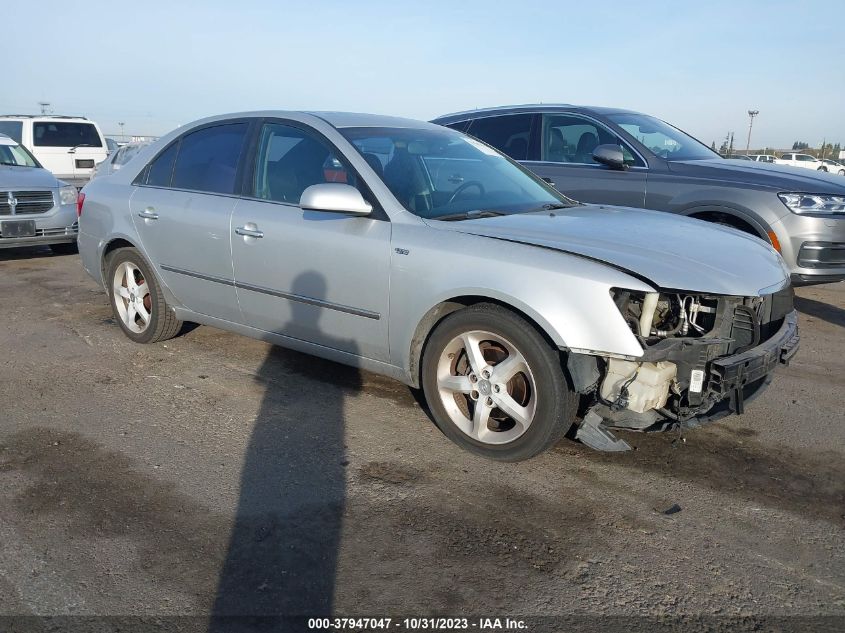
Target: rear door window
(63, 134)
(208, 158)
(510, 134)
(161, 169)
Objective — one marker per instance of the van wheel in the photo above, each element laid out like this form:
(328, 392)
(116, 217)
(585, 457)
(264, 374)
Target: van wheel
(494, 385)
(137, 300)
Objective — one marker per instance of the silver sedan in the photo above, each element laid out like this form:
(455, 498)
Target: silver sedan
(413, 251)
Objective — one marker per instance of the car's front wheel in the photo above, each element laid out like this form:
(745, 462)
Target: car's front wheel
(137, 301)
(494, 385)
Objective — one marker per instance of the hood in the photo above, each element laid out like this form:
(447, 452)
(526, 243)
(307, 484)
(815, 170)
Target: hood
(670, 251)
(779, 177)
(21, 178)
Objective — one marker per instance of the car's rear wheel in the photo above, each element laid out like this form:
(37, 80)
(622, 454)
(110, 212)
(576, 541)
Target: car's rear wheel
(494, 385)
(137, 301)
(65, 248)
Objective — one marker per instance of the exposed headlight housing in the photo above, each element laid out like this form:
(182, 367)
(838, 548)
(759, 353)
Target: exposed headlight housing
(67, 194)
(813, 203)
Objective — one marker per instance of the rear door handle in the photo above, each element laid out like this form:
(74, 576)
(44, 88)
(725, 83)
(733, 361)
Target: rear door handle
(148, 214)
(249, 231)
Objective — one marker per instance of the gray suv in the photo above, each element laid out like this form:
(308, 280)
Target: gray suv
(619, 157)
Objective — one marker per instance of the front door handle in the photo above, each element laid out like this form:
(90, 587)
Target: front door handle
(148, 214)
(249, 230)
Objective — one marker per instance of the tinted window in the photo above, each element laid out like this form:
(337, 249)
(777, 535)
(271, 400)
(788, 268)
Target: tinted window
(12, 129)
(571, 139)
(161, 168)
(804, 157)
(290, 160)
(208, 158)
(58, 134)
(510, 134)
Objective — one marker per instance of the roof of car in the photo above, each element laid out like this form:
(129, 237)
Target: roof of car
(335, 119)
(531, 107)
(42, 116)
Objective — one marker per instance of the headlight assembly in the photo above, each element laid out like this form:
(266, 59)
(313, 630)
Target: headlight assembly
(67, 194)
(813, 203)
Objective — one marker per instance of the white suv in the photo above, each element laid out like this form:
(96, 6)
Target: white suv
(69, 147)
(800, 160)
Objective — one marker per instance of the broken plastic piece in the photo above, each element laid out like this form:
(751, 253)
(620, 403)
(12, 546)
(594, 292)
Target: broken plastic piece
(594, 434)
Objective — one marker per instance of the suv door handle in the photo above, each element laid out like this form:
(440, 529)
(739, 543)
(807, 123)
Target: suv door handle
(148, 214)
(248, 231)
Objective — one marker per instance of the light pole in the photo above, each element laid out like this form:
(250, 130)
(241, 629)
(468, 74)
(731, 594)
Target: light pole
(45, 106)
(751, 115)
(122, 135)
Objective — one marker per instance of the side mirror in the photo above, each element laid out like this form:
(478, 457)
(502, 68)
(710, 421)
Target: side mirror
(335, 197)
(610, 155)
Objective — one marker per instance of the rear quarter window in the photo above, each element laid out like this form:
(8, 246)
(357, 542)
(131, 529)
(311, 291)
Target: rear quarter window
(64, 134)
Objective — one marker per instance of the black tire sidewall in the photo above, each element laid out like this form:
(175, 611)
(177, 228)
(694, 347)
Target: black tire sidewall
(158, 306)
(555, 401)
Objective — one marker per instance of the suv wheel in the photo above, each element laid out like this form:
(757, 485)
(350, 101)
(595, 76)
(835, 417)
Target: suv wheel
(494, 385)
(137, 300)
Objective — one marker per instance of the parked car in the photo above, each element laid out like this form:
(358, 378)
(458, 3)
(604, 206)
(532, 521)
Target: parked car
(35, 207)
(611, 156)
(68, 146)
(417, 252)
(117, 159)
(801, 160)
(763, 158)
(832, 167)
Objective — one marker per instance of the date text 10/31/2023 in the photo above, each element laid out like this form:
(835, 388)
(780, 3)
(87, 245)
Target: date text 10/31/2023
(418, 624)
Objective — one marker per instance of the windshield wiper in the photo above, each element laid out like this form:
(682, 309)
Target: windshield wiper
(469, 215)
(73, 149)
(3, 162)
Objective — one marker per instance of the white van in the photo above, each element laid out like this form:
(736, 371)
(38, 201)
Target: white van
(68, 146)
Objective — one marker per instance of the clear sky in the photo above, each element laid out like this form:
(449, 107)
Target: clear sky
(699, 65)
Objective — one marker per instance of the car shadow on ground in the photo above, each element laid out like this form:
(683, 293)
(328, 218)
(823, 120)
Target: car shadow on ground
(728, 460)
(282, 554)
(28, 252)
(820, 310)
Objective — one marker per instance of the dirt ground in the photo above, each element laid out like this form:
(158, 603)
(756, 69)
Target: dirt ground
(217, 474)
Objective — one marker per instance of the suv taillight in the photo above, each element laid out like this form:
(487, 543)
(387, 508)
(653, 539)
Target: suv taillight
(80, 200)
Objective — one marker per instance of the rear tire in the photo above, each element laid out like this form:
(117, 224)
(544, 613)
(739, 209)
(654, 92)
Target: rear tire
(65, 248)
(494, 385)
(137, 300)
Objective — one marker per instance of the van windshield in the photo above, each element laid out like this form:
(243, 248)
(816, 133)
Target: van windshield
(439, 173)
(661, 138)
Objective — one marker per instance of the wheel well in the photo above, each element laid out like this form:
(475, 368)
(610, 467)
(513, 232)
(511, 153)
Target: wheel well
(720, 217)
(441, 311)
(110, 247)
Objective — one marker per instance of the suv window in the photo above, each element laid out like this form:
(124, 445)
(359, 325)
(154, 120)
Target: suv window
(290, 160)
(572, 139)
(804, 157)
(12, 129)
(161, 169)
(208, 158)
(510, 134)
(62, 134)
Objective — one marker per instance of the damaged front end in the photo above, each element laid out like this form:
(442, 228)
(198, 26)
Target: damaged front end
(704, 357)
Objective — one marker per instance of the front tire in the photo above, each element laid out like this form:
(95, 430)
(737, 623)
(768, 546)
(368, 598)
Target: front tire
(136, 298)
(494, 385)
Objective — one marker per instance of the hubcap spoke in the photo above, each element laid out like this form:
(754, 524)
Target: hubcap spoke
(473, 350)
(123, 292)
(509, 368)
(143, 289)
(459, 384)
(130, 314)
(143, 314)
(131, 284)
(512, 409)
(480, 417)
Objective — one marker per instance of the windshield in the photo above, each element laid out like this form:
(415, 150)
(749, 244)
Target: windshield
(661, 138)
(16, 156)
(436, 173)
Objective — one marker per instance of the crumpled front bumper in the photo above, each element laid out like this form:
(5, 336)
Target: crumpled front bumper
(738, 379)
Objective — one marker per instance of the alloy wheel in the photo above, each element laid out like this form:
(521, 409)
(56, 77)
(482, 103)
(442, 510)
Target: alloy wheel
(132, 297)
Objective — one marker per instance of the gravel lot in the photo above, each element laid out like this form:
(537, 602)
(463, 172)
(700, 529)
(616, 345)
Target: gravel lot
(216, 474)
